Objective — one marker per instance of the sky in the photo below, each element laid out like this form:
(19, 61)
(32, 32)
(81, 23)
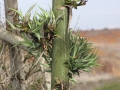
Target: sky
(96, 14)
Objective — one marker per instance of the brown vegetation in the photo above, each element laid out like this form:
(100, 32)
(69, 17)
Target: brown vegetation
(108, 36)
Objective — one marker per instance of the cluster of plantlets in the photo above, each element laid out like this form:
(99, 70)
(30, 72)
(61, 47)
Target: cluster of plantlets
(82, 55)
(38, 34)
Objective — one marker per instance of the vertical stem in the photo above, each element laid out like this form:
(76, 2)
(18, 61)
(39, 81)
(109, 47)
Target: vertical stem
(14, 53)
(60, 46)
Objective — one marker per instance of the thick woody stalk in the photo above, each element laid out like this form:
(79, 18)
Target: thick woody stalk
(18, 80)
(61, 48)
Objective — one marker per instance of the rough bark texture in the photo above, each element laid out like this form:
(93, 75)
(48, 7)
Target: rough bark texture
(18, 80)
(9, 37)
(60, 47)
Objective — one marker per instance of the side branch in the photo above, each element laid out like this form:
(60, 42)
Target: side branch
(9, 37)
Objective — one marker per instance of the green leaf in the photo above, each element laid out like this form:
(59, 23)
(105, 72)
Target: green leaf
(38, 35)
(18, 44)
(11, 25)
(27, 18)
(73, 81)
(85, 69)
(25, 38)
(28, 44)
(28, 12)
(18, 12)
(58, 19)
(18, 26)
(29, 25)
(44, 12)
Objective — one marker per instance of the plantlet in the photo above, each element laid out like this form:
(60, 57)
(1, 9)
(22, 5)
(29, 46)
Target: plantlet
(82, 56)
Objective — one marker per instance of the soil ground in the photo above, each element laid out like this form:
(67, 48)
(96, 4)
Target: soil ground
(92, 85)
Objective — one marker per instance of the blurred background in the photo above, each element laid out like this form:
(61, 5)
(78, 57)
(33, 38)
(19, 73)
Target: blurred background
(98, 21)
